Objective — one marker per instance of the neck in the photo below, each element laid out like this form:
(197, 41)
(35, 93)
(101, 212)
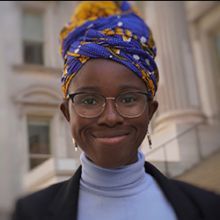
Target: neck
(123, 180)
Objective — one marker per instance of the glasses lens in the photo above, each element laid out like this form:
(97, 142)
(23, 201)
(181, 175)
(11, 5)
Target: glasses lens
(88, 105)
(131, 104)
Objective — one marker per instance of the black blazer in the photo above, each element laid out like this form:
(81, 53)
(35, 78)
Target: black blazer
(59, 201)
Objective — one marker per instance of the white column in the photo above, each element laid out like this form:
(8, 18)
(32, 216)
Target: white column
(7, 135)
(178, 92)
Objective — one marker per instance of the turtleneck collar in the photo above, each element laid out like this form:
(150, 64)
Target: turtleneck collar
(124, 181)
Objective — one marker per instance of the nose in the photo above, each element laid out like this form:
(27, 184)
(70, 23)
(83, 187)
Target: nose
(110, 117)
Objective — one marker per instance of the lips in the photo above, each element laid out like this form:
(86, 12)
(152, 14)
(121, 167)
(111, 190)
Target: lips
(111, 140)
(110, 133)
(111, 137)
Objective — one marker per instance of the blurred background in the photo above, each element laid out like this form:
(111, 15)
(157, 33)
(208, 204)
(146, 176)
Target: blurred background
(36, 148)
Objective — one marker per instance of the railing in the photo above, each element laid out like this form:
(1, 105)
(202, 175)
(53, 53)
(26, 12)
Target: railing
(162, 147)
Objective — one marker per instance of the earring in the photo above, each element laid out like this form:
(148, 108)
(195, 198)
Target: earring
(149, 139)
(75, 144)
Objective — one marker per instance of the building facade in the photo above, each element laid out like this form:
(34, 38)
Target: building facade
(35, 144)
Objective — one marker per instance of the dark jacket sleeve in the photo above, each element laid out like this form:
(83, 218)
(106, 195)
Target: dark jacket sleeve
(206, 202)
(35, 206)
(18, 213)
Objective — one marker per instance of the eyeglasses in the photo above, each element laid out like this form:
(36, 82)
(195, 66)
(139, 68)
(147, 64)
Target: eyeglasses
(91, 105)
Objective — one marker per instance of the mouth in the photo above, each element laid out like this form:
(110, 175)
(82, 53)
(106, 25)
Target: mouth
(111, 138)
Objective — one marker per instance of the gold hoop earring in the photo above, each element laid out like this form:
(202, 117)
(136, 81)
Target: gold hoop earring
(149, 140)
(75, 145)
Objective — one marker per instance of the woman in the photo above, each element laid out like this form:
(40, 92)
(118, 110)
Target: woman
(109, 82)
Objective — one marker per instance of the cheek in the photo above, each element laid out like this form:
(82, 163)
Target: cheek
(74, 129)
(143, 125)
(79, 129)
(75, 124)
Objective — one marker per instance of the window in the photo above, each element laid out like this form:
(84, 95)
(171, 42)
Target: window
(33, 38)
(38, 140)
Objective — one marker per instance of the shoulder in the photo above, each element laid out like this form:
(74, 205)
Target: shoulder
(205, 200)
(46, 202)
(195, 191)
(187, 199)
(43, 196)
(190, 190)
(37, 203)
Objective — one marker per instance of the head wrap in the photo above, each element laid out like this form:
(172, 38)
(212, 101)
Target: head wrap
(109, 30)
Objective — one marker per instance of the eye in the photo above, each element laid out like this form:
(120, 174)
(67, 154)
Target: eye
(128, 99)
(89, 100)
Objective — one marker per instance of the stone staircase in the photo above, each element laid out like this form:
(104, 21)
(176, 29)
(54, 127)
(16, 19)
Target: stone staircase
(180, 147)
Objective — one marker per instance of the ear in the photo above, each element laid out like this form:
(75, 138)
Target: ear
(153, 105)
(65, 109)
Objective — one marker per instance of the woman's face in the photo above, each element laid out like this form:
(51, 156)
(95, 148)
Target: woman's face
(109, 140)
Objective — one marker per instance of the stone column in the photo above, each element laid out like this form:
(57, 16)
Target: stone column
(7, 134)
(178, 92)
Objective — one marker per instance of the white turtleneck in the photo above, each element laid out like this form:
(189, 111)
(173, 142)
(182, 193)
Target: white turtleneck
(126, 193)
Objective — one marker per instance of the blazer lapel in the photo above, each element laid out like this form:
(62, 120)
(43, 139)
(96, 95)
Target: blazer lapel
(65, 203)
(181, 204)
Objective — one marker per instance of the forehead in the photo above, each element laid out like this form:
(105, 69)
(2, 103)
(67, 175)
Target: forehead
(103, 74)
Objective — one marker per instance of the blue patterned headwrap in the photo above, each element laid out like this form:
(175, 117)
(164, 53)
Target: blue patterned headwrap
(109, 30)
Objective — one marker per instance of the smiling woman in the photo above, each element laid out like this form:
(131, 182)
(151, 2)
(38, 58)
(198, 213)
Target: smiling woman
(109, 82)
(111, 136)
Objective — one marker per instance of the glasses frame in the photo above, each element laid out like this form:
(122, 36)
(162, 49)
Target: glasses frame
(72, 95)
